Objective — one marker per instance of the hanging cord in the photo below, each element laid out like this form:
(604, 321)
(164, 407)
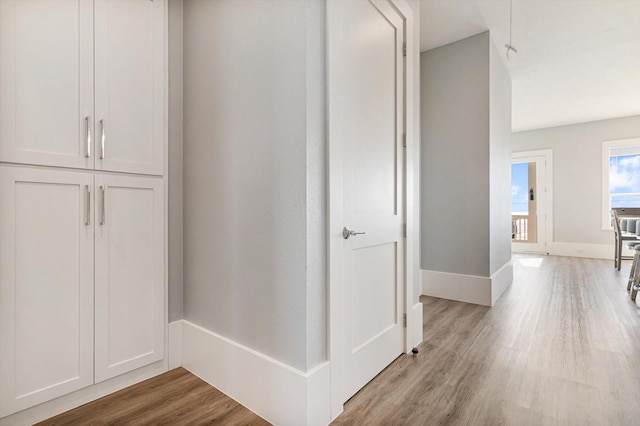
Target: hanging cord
(508, 45)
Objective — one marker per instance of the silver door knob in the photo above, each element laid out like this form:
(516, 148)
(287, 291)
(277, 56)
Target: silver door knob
(346, 232)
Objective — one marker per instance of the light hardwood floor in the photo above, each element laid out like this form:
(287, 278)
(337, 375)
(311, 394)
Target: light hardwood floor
(562, 346)
(173, 398)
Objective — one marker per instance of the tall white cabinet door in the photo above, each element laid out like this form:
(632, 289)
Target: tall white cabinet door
(129, 286)
(46, 82)
(130, 82)
(46, 285)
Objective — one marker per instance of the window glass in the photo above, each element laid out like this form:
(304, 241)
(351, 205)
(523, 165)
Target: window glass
(519, 188)
(620, 176)
(624, 179)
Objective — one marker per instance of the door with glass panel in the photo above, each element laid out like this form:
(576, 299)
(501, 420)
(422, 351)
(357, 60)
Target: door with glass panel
(528, 204)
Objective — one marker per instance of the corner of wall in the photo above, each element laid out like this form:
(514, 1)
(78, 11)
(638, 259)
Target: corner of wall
(175, 160)
(175, 344)
(275, 391)
(501, 280)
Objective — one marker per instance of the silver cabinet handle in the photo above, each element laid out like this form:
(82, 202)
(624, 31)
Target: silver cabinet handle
(87, 222)
(103, 218)
(346, 232)
(102, 138)
(87, 126)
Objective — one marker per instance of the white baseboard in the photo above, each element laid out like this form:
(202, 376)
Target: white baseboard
(467, 288)
(82, 396)
(275, 391)
(594, 251)
(175, 344)
(463, 288)
(500, 281)
(418, 329)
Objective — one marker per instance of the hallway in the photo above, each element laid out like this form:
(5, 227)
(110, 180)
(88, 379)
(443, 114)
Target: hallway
(562, 346)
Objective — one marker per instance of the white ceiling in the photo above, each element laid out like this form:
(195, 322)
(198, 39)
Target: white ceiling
(577, 60)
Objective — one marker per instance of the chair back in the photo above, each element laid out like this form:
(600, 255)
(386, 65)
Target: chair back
(631, 227)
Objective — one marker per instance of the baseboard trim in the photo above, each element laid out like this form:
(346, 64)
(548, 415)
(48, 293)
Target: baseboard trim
(594, 251)
(467, 288)
(418, 329)
(275, 391)
(460, 287)
(175, 344)
(501, 280)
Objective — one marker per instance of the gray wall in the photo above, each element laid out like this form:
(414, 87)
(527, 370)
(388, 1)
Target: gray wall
(317, 302)
(254, 173)
(499, 161)
(455, 157)
(466, 158)
(175, 161)
(577, 177)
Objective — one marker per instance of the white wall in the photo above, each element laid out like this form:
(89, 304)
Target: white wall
(577, 179)
(499, 161)
(254, 173)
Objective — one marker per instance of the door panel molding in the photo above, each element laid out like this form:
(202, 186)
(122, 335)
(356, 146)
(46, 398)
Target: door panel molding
(46, 311)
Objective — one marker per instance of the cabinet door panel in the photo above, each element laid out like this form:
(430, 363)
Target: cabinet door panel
(130, 85)
(129, 274)
(46, 286)
(46, 83)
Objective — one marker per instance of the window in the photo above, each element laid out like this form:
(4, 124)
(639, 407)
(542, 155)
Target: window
(620, 176)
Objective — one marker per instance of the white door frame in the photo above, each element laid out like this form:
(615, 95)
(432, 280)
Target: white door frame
(335, 54)
(548, 194)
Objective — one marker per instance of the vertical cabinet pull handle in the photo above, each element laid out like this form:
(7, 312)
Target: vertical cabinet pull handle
(103, 218)
(87, 126)
(102, 138)
(87, 222)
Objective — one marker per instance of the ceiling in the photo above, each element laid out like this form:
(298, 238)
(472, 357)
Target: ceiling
(577, 60)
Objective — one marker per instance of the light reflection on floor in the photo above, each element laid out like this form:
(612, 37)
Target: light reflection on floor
(530, 262)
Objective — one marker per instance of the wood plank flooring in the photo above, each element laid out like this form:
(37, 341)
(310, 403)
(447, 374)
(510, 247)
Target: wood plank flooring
(561, 347)
(173, 398)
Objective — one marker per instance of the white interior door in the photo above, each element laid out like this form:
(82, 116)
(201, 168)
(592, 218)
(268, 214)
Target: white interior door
(46, 82)
(129, 277)
(129, 88)
(46, 285)
(531, 228)
(371, 75)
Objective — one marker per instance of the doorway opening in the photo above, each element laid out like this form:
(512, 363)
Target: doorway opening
(531, 201)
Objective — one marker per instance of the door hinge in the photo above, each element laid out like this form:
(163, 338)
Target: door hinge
(404, 230)
(404, 140)
(404, 48)
(404, 320)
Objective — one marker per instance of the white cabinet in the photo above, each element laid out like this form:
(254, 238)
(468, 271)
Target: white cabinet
(46, 82)
(129, 70)
(54, 55)
(81, 280)
(129, 274)
(46, 285)
(82, 244)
